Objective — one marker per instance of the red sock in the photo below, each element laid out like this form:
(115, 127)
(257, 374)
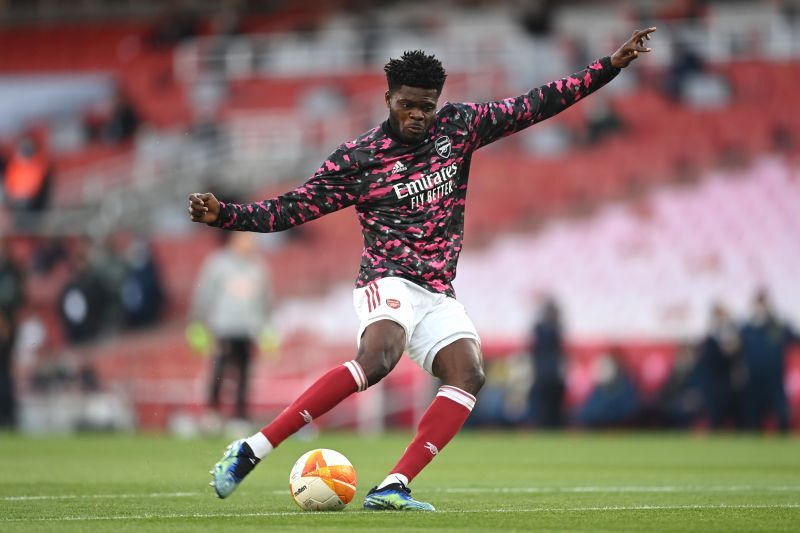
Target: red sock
(438, 425)
(325, 394)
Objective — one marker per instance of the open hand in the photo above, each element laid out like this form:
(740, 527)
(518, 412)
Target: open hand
(632, 48)
(203, 207)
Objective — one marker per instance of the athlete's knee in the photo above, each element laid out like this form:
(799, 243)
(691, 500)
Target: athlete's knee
(469, 379)
(473, 380)
(381, 347)
(377, 362)
(461, 365)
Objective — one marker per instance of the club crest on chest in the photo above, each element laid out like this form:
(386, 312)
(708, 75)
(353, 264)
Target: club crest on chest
(443, 144)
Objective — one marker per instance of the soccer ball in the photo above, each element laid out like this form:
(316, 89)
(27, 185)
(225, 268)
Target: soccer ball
(322, 480)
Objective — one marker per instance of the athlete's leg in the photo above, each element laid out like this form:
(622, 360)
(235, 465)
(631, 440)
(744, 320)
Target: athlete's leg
(240, 352)
(459, 366)
(217, 374)
(381, 346)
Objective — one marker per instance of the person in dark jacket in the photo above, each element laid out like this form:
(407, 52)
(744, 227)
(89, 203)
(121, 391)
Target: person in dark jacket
(765, 343)
(547, 392)
(12, 297)
(726, 372)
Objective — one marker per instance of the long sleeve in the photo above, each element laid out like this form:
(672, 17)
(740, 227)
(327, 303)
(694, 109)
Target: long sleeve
(334, 186)
(487, 122)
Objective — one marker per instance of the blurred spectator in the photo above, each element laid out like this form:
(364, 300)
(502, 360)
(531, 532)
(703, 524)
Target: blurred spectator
(547, 392)
(48, 253)
(232, 301)
(225, 24)
(27, 177)
(783, 141)
(721, 354)
(505, 398)
(686, 63)
(65, 372)
(227, 21)
(537, 17)
(206, 131)
(3, 167)
(83, 301)
(690, 82)
(111, 269)
(765, 343)
(141, 291)
(116, 121)
(122, 122)
(8, 405)
(12, 295)
(173, 25)
(370, 30)
(11, 300)
(681, 400)
(679, 10)
(601, 120)
(614, 401)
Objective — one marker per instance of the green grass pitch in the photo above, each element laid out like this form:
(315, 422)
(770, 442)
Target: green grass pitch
(482, 481)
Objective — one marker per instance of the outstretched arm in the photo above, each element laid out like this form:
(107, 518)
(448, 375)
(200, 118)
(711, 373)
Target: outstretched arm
(334, 186)
(634, 46)
(490, 121)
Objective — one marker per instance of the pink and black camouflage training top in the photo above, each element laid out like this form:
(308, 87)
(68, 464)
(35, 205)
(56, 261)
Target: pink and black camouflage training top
(410, 198)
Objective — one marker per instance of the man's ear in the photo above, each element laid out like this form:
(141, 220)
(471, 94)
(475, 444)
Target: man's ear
(387, 97)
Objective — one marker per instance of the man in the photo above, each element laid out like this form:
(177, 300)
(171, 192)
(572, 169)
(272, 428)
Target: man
(27, 177)
(408, 181)
(766, 341)
(12, 298)
(725, 375)
(547, 351)
(232, 298)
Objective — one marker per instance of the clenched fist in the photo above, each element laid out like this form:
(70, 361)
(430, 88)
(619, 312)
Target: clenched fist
(203, 207)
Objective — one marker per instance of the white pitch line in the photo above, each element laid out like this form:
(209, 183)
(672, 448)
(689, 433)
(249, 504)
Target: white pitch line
(451, 490)
(632, 489)
(98, 496)
(154, 516)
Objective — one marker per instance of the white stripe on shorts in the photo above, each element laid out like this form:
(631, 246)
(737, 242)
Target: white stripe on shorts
(358, 374)
(373, 296)
(368, 292)
(457, 395)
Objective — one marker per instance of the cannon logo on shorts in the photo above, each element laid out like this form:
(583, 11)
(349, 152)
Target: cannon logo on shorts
(443, 145)
(394, 304)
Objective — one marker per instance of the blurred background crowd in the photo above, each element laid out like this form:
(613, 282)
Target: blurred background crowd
(631, 263)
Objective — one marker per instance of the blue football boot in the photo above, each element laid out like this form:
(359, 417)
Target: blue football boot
(394, 497)
(238, 461)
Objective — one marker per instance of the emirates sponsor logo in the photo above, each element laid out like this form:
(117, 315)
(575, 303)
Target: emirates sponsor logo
(428, 187)
(394, 304)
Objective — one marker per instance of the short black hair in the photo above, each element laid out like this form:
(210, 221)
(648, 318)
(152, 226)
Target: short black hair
(415, 69)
